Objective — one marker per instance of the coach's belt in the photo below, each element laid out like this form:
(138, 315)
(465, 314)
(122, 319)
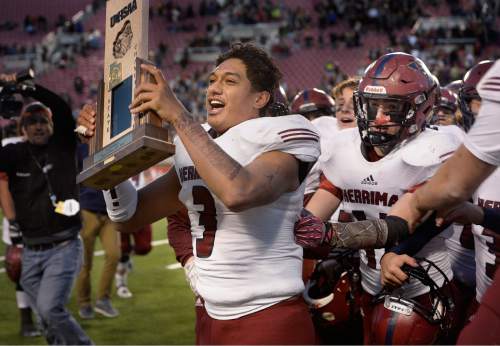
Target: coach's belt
(48, 246)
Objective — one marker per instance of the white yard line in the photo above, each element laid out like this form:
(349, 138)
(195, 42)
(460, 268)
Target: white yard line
(173, 266)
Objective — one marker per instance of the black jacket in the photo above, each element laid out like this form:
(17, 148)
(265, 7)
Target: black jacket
(30, 187)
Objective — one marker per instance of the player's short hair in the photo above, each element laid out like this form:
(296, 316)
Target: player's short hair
(351, 83)
(261, 70)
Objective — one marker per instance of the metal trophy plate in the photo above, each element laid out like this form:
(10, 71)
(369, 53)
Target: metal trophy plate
(123, 145)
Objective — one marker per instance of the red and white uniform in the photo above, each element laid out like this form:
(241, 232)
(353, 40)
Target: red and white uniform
(247, 261)
(460, 247)
(483, 139)
(487, 242)
(369, 189)
(460, 244)
(327, 127)
(454, 130)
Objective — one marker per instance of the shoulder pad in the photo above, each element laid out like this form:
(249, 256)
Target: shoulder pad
(292, 134)
(337, 141)
(489, 86)
(430, 148)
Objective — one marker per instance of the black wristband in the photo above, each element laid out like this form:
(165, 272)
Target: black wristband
(397, 228)
(491, 219)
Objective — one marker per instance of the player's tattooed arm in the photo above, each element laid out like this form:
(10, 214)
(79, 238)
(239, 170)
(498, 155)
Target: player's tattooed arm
(192, 132)
(239, 187)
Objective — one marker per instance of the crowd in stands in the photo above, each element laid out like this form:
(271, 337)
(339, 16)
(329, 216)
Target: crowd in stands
(324, 24)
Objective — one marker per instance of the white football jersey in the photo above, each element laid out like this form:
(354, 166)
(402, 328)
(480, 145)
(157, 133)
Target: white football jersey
(327, 127)
(460, 243)
(370, 189)
(452, 129)
(483, 139)
(247, 261)
(460, 247)
(487, 242)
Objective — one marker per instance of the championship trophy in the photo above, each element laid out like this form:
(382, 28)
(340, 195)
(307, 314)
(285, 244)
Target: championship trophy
(123, 145)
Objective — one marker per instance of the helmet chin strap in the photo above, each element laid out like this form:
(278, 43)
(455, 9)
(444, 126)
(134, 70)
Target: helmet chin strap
(384, 142)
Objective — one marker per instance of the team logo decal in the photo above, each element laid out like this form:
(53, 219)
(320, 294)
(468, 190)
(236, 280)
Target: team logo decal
(115, 74)
(123, 40)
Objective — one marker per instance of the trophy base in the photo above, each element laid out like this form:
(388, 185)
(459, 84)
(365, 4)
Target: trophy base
(131, 154)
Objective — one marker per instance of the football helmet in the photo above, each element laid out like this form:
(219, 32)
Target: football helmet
(404, 87)
(280, 104)
(332, 291)
(13, 263)
(454, 86)
(468, 91)
(445, 110)
(313, 103)
(424, 320)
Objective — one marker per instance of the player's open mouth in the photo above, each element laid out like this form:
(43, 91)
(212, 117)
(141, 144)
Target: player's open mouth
(215, 106)
(347, 120)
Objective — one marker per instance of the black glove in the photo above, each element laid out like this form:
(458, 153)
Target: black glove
(16, 236)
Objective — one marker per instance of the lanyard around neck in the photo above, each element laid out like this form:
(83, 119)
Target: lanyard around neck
(44, 170)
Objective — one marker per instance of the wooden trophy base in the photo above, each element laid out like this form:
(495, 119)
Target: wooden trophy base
(133, 153)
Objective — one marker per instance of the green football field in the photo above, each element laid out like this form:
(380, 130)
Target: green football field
(160, 312)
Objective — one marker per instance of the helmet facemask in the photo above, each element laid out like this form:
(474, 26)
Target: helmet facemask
(466, 96)
(378, 130)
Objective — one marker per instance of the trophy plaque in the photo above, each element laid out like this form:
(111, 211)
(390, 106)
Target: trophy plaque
(122, 145)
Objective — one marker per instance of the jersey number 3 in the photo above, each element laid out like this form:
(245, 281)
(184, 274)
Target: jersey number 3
(208, 220)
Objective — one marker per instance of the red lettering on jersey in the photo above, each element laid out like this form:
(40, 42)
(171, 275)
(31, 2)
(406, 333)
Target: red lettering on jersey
(349, 194)
(486, 203)
(393, 200)
(494, 249)
(365, 197)
(188, 173)
(357, 196)
(208, 219)
(381, 198)
(369, 197)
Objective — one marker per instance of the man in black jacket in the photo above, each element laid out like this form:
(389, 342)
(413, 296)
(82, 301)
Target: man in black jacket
(42, 173)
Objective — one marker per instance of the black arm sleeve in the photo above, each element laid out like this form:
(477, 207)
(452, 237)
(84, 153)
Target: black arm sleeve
(64, 123)
(423, 234)
(491, 219)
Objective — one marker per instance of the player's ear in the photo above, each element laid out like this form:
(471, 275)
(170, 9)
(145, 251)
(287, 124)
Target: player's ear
(261, 99)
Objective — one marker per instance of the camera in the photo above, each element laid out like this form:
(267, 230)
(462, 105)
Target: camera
(9, 106)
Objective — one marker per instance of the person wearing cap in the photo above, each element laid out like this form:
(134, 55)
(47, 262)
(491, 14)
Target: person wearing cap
(42, 173)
